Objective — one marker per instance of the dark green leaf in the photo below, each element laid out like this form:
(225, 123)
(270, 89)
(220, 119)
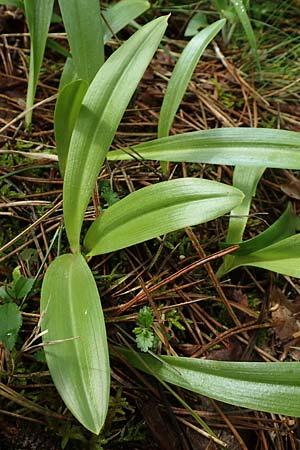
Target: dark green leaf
(10, 324)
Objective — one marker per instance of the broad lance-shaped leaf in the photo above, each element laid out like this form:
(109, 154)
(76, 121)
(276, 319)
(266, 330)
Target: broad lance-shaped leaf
(75, 339)
(159, 209)
(284, 227)
(270, 387)
(233, 146)
(85, 36)
(182, 74)
(67, 109)
(281, 257)
(246, 179)
(98, 119)
(38, 14)
(121, 14)
(287, 225)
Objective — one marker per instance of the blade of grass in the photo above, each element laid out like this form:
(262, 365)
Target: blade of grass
(233, 146)
(85, 35)
(166, 206)
(38, 16)
(182, 74)
(244, 19)
(99, 117)
(75, 339)
(270, 387)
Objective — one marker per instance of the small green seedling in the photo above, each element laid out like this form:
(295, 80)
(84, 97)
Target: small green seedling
(144, 334)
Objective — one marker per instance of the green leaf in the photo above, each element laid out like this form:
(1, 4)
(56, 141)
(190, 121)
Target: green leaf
(121, 14)
(159, 209)
(246, 180)
(199, 20)
(281, 257)
(244, 19)
(20, 285)
(145, 317)
(285, 226)
(10, 324)
(100, 114)
(182, 74)
(117, 16)
(144, 338)
(233, 146)
(38, 15)
(75, 339)
(270, 387)
(85, 36)
(67, 109)
(68, 75)
(5, 295)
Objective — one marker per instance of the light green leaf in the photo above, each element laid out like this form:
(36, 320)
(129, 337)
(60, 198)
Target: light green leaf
(199, 20)
(270, 387)
(10, 324)
(281, 257)
(233, 146)
(67, 109)
(182, 74)
(244, 19)
(99, 117)
(85, 36)
(159, 209)
(75, 339)
(68, 75)
(285, 226)
(38, 15)
(246, 180)
(121, 14)
(20, 286)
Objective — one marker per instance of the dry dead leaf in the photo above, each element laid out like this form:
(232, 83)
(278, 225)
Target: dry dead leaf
(292, 187)
(283, 313)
